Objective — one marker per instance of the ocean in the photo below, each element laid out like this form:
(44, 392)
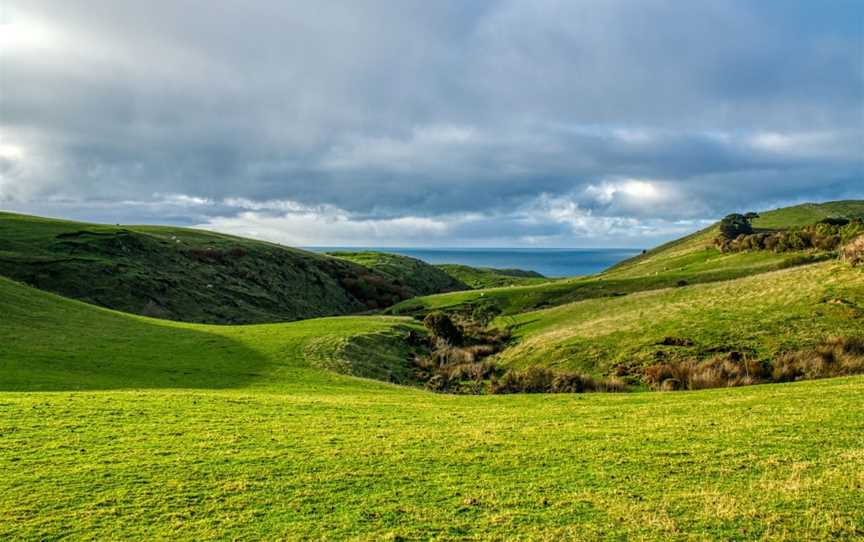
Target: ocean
(551, 262)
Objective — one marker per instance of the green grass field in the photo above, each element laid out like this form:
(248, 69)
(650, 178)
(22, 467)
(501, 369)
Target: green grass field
(117, 426)
(228, 432)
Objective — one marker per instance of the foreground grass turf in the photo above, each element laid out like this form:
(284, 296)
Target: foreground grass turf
(161, 430)
(779, 462)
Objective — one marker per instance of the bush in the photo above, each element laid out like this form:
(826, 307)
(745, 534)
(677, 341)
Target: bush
(531, 380)
(572, 383)
(825, 236)
(440, 325)
(483, 314)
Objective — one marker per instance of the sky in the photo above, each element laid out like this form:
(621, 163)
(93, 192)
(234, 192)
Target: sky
(535, 123)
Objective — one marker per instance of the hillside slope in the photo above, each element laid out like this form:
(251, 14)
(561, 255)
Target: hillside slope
(48, 342)
(186, 275)
(759, 317)
(417, 276)
(690, 260)
(488, 277)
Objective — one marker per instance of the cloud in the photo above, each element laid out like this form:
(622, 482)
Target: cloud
(402, 116)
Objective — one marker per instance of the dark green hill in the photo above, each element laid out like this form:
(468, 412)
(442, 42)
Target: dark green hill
(487, 277)
(417, 276)
(187, 275)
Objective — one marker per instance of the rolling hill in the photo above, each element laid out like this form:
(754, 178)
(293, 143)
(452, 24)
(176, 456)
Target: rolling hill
(419, 277)
(760, 317)
(487, 277)
(427, 279)
(188, 275)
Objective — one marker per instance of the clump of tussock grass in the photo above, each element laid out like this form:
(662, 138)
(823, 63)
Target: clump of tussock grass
(854, 252)
(836, 356)
(716, 372)
(542, 380)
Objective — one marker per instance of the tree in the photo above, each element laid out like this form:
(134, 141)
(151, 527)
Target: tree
(734, 225)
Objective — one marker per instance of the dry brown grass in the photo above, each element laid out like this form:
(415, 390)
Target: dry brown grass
(542, 380)
(854, 252)
(836, 356)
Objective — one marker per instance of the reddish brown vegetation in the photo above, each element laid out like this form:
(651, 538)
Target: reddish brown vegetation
(838, 356)
(854, 252)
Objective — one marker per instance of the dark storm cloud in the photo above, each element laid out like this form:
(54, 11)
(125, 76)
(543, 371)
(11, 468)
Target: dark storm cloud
(548, 122)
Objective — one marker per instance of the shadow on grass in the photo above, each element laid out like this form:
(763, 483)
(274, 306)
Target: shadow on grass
(52, 344)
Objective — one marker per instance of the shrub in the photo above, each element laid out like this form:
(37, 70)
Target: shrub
(826, 236)
(572, 383)
(834, 221)
(483, 314)
(828, 242)
(440, 325)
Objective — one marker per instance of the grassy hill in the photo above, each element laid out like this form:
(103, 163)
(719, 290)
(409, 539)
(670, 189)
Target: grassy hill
(417, 276)
(155, 429)
(423, 279)
(187, 275)
(808, 213)
(487, 277)
(691, 260)
(759, 316)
